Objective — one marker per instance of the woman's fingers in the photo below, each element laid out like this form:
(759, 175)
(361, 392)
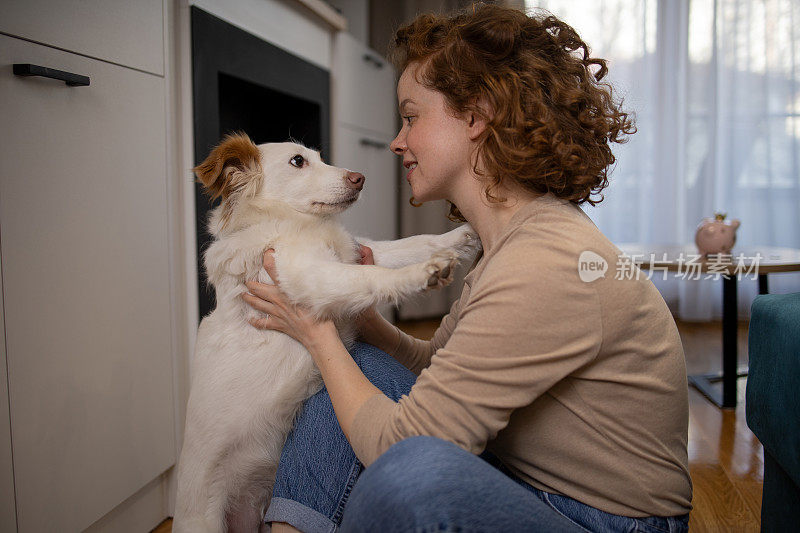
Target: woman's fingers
(269, 265)
(267, 322)
(260, 304)
(269, 300)
(264, 291)
(366, 255)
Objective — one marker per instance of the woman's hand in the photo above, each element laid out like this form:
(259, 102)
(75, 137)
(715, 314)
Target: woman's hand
(366, 255)
(293, 320)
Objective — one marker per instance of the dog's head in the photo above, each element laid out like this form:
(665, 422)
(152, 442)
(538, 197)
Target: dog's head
(238, 170)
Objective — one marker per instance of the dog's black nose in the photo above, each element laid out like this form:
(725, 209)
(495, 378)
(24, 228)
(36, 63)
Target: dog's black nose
(355, 180)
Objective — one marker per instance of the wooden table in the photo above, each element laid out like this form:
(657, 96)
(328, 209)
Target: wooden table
(686, 263)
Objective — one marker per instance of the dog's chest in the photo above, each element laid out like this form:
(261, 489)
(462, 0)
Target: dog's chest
(344, 250)
(344, 256)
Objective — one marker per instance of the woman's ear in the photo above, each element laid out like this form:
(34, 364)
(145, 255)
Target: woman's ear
(477, 121)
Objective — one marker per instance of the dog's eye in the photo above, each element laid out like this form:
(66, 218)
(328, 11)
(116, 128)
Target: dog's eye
(297, 161)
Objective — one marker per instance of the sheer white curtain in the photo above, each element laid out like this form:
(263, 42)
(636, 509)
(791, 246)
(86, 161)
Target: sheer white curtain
(715, 86)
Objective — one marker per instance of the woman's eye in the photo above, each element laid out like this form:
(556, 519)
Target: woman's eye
(297, 161)
(408, 119)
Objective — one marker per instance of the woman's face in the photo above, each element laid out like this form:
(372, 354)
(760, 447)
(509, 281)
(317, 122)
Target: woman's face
(435, 146)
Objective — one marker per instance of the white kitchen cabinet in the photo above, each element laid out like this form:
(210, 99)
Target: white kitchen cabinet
(125, 32)
(8, 518)
(363, 91)
(374, 215)
(85, 286)
(363, 104)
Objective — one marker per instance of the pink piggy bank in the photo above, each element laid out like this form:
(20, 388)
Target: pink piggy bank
(715, 235)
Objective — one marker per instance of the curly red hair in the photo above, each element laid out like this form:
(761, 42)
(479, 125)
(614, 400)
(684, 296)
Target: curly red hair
(551, 121)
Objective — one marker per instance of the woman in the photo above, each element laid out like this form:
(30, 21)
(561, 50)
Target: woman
(569, 382)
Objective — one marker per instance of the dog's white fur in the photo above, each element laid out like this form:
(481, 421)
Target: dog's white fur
(249, 384)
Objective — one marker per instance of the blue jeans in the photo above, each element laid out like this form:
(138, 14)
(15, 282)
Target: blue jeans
(419, 484)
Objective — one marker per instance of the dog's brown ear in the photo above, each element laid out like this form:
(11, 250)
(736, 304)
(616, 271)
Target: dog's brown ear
(230, 166)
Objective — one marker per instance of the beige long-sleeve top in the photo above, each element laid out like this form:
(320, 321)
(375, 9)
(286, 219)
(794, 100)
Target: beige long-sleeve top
(579, 387)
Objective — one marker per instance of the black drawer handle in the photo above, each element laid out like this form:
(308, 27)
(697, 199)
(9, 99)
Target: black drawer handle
(73, 80)
(374, 144)
(377, 62)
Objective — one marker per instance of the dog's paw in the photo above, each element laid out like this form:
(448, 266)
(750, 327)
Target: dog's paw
(439, 270)
(464, 241)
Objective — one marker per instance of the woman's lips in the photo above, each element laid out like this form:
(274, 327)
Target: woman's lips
(411, 169)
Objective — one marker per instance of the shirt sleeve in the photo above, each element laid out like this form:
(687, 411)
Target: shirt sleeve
(528, 322)
(415, 354)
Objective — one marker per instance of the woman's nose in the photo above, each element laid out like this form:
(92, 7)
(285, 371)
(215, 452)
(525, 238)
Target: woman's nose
(398, 145)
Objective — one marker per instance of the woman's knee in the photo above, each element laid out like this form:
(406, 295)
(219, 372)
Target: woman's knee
(418, 456)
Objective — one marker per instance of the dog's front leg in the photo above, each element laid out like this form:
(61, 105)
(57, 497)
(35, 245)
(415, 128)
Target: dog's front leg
(462, 241)
(332, 288)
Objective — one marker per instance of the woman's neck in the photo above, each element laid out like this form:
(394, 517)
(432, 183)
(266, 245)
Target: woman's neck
(490, 218)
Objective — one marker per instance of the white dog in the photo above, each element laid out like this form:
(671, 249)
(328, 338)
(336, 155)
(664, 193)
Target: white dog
(249, 384)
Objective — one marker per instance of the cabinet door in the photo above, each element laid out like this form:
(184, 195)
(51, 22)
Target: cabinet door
(83, 237)
(8, 519)
(363, 92)
(126, 32)
(374, 215)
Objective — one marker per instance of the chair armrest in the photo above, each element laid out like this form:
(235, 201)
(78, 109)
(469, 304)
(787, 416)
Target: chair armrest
(773, 383)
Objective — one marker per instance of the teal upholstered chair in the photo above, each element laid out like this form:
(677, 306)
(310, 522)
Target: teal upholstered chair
(773, 405)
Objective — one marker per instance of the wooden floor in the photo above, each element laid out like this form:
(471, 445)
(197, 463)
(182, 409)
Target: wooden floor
(726, 460)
